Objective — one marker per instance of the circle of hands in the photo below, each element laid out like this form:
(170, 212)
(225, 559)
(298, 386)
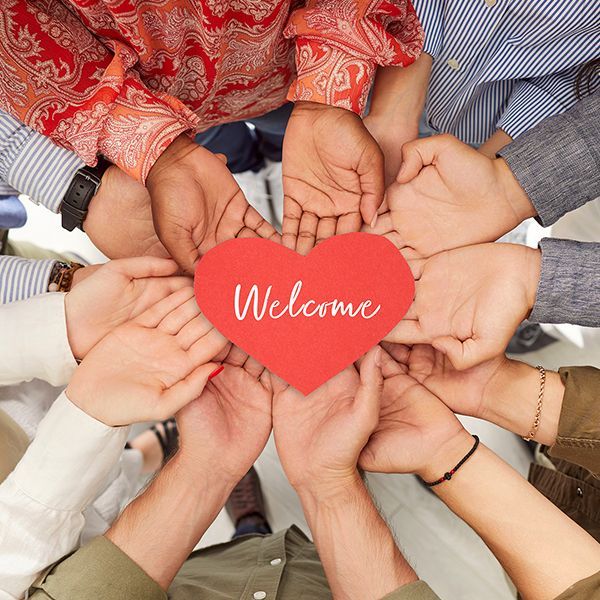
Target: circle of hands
(147, 352)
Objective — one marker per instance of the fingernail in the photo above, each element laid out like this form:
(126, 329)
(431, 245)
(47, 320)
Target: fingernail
(374, 221)
(378, 357)
(215, 372)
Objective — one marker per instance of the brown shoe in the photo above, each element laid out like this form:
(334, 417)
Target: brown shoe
(246, 498)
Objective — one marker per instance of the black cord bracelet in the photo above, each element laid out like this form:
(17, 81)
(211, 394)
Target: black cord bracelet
(448, 476)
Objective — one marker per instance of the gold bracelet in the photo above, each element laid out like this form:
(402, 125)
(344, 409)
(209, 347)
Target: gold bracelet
(538, 411)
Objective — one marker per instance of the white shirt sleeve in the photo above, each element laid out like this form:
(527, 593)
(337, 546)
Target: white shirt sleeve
(34, 341)
(42, 500)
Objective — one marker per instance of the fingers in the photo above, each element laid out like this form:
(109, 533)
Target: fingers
(186, 390)
(141, 267)
(399, 352)
(157, 312)
(181, 316)
(348, 223)
(260, 226)
(326, 228)
(307, 233)
(192, 331)
(420, 153)
(371, 174)
(383, 226)
(292, 213)
(207, 347)
(368, 395)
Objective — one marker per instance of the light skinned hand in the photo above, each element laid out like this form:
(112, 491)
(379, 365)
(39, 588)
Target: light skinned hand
(333, 177)
(119, 219)
(196, 203)
(416, 432)
(229, 423)
(105, 296)
(150, 367)
(320, 436)
(469, 301)
(449, 195)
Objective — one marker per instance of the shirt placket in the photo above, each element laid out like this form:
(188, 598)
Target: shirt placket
(263, 583)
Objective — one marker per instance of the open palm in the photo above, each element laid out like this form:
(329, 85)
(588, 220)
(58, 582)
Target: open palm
(333, 176)
(230, 422)
(148, 368)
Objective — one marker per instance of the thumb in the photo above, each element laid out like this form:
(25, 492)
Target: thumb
(463, 355)
(371, 174)
(368, 395)
(418, 154)
(180, 245)
(187, 389)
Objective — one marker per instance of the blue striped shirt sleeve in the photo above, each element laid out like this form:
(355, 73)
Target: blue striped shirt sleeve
(33, 164)
(21, 278)
(534, 99)
(431, 15)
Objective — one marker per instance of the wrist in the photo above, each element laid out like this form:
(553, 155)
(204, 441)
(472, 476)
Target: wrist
(329, 491)
(446, 456)
(533, 271)
(512, 406)
(512, 192)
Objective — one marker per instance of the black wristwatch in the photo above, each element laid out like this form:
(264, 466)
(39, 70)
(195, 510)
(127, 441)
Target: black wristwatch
(83, 188)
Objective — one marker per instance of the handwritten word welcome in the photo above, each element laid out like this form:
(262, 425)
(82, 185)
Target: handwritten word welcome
(310, 308)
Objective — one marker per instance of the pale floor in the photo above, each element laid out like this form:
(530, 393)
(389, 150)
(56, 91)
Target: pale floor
(444, 551)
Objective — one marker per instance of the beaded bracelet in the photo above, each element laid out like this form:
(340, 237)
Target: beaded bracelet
(448, 476)
(61, 277)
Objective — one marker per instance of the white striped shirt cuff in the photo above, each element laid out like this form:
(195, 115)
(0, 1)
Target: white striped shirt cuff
(21, 278)
(43, 171)
(431, 15)
(536, 99)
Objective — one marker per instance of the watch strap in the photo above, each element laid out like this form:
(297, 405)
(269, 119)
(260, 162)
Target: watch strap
(83, 188)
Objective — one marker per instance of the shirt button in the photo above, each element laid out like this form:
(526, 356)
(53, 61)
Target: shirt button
(490, 2)
(580, 492)
(259, 595)
(453, 64)
(275, 562)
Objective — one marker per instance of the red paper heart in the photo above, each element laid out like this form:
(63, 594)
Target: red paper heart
(304, 350)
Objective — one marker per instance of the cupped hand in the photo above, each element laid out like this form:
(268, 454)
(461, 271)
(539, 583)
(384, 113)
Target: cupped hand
(196, 203)
(230, 422)
(320, 436)
(467, 392)
(113, 294)
(151, 367)
(448, 195)
(416, 431)
(119, 219)
(333, 175)
(469, 301)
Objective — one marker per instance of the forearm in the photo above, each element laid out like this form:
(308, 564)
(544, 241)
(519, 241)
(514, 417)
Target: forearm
(399, 92)
(542, 550)
(358, 551)
(159, 530)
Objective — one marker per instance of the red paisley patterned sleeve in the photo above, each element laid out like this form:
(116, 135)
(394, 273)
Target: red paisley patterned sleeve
(62, 81)
(339, 44)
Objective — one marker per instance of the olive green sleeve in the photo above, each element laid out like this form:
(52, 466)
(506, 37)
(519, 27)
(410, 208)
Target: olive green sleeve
(578, 439)
(97, 571)
(586, 589)
(417, 590)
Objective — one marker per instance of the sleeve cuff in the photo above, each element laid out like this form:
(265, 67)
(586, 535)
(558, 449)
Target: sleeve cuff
(68, 462)
(22, 278)
(418, 590)
(533, 101)
(569, 287)
(430, 13)
(578, 438)
(331, 77)
(93, 570)
(39, 347)
(43, 171)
